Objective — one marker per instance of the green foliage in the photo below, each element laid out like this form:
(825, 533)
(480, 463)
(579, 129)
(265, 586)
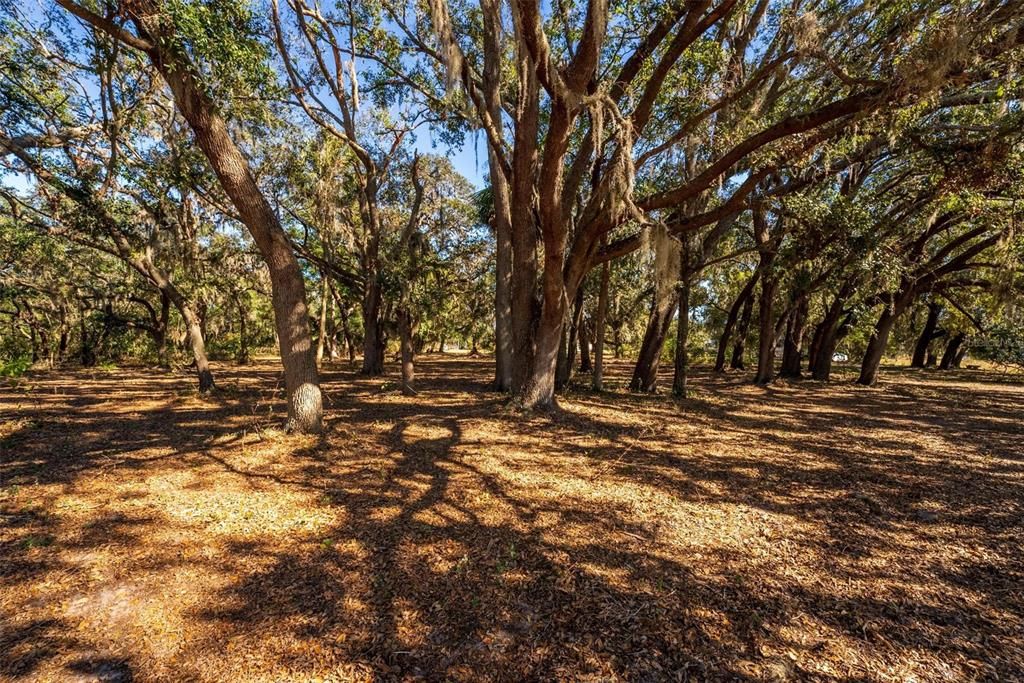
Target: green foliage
(15, 367)
(1003, 345)
(223, 40)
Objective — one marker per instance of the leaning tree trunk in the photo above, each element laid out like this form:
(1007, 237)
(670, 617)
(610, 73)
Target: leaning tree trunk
(927, 335)
(876, 349)
(195, 340)
(193, 324)
(952, 349)
(825, 347)
(880, 339)
(737, 362)
(645, 373)
(288, 289)
(746, 294)
(822, 370)
(829, 332)
(667, 260)
(960, 356)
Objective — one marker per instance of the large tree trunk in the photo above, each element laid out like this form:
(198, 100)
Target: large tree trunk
(193, 323)
(599, 325)
(538, 390)
(667, 260)
(491, 82)
(195, 340)
(746, 294)
(960, 356)
(824, 347)
(792, 351)
(568, 344)
(928, 333)
(288, 290)
(876, 348)
(949, 356)
(829, 331)
(766, 332)
(584, 338)
(737, 361)
(373, 334)
(880, 339)
(645, 373)
(538, 294)
(526, 308)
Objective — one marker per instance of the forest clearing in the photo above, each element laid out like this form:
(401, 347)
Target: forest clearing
(511, 340)
(792, 533)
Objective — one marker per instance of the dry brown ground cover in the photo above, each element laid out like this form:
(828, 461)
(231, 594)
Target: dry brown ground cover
(801, 532)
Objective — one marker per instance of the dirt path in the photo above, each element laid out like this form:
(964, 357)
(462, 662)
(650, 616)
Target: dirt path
(801, 532)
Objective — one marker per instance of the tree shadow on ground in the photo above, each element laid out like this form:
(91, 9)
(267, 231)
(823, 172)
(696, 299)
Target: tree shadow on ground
(800, 531)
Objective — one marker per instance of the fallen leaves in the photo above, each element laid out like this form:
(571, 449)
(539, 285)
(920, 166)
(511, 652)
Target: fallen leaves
(803, 532)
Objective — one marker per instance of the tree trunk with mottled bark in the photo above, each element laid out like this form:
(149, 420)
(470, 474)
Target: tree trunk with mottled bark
(928, 334)
(952, 349)
(738, 361)
(766, 332)
(792, 351)
(288, 289)
(730, 322)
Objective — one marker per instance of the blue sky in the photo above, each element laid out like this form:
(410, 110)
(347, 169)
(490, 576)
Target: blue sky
(470, 160)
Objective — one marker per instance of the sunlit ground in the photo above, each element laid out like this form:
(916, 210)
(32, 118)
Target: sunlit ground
(800, 532)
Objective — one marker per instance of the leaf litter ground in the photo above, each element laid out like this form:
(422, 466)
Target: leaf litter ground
(799, 532)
